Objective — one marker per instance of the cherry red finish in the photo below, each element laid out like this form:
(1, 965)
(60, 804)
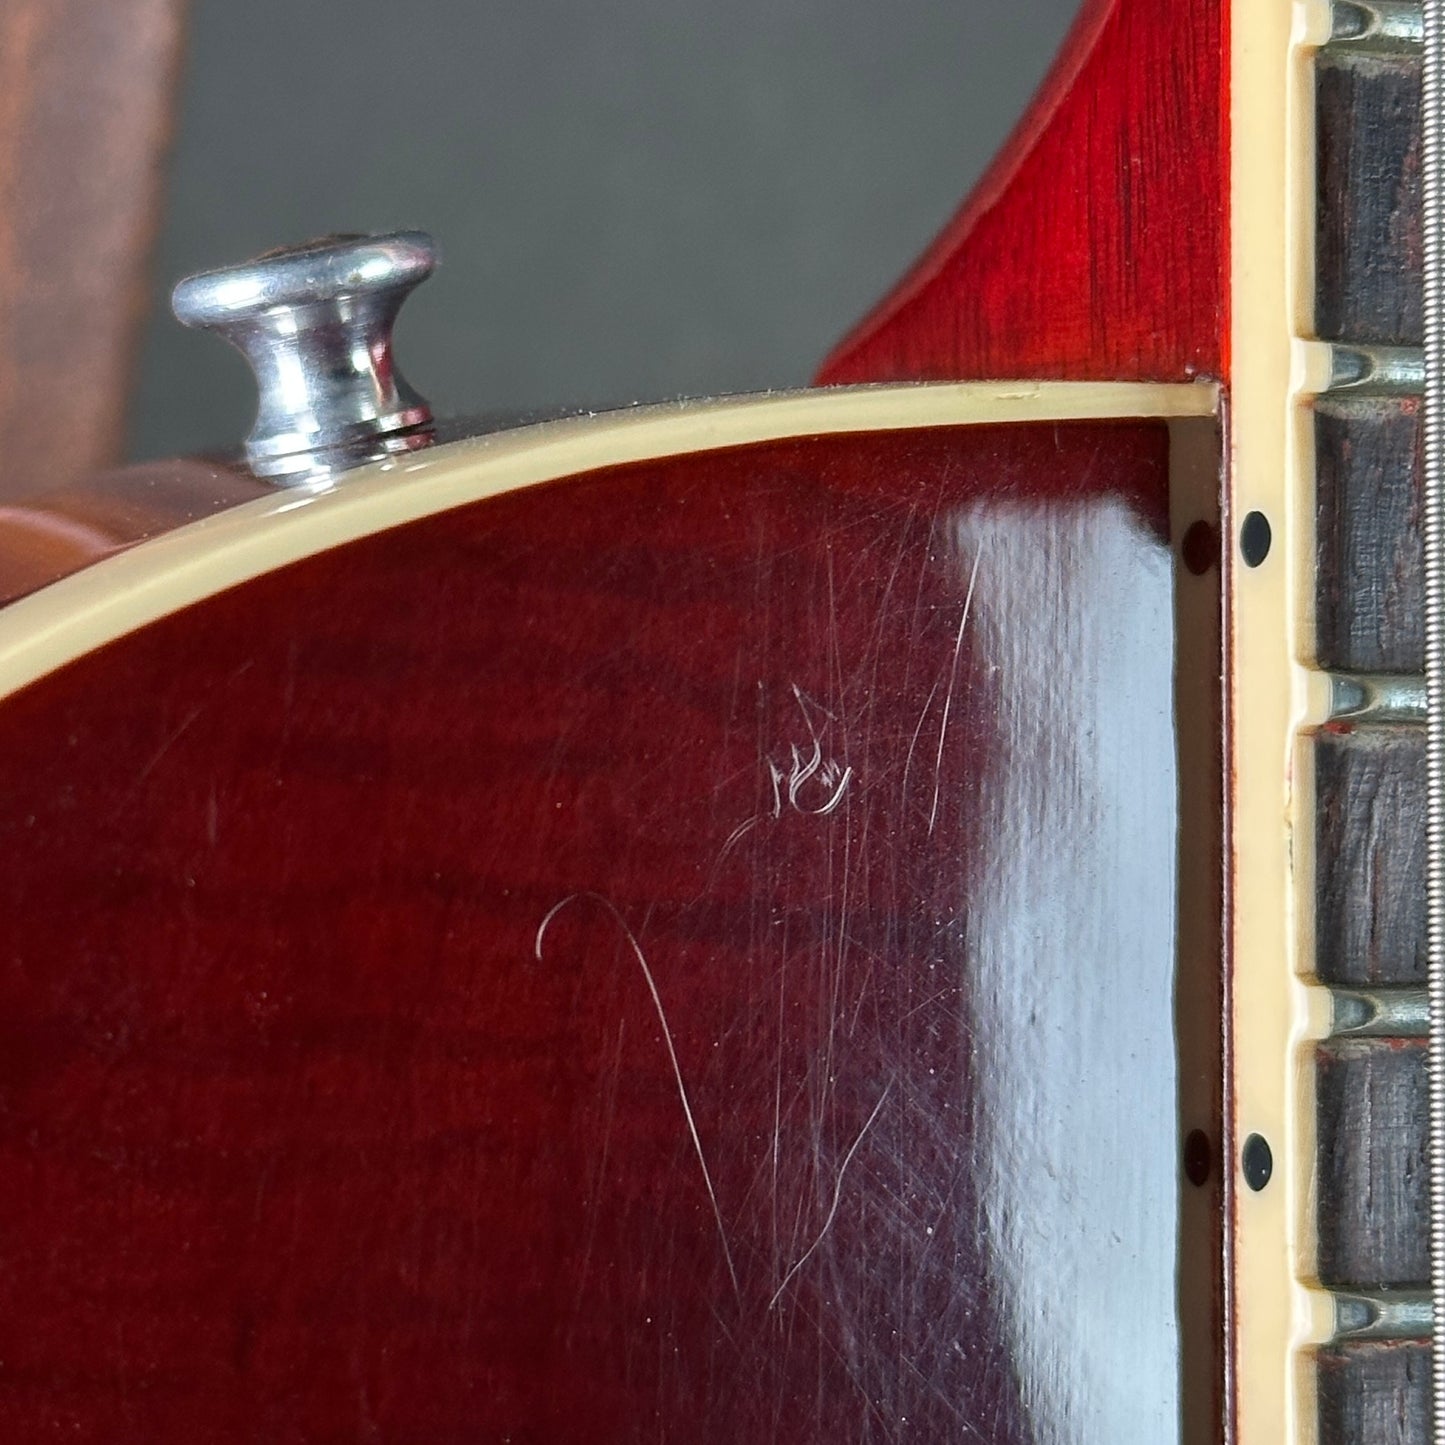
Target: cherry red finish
(1096, 247)
(684, 954)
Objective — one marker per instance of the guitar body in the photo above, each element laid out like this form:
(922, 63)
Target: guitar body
(790, 918)
(630, 957)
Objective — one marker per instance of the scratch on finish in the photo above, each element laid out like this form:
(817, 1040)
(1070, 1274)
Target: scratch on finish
(832, 776)
(837, 1196)
(185, 725)
(738, 834)
(913, 744)
(948, 696)
(172, 739)
(671, 1054)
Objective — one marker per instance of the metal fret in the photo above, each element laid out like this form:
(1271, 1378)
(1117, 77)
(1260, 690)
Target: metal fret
(1371, 699)
(1380, 370)
(1387, 25)
(1393, 1013)
(1404, 1315)
(1382, 24)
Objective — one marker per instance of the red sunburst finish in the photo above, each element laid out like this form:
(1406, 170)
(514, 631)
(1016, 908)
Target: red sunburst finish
(1096, 247)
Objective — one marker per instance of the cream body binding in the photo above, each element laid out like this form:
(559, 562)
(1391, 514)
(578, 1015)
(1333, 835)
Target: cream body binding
(110, 598)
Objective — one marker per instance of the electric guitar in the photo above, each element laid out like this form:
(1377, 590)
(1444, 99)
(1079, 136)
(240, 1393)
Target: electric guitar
(890, 911)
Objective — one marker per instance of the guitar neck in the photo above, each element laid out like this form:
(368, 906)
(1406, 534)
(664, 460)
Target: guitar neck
(1328, 730)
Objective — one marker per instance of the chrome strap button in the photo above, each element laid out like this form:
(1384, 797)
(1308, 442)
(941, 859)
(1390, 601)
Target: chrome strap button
(314, 321)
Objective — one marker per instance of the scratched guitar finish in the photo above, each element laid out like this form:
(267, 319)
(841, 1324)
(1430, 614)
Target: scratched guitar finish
(681, 954)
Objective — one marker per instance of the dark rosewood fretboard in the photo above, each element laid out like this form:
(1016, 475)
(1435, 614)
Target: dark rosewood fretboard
(1368, 763)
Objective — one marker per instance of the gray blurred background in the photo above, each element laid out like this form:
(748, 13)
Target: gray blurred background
(635, 199)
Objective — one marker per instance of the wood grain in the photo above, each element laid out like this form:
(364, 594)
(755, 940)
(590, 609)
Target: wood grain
(1096, 246)
(614, 963)
(1369, 257)
(86, 91)
(1375, 1393)
(1370, 593)
(1373, 1199)
(1370, 856)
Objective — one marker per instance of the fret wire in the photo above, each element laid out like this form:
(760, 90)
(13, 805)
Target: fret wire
(1433, 175)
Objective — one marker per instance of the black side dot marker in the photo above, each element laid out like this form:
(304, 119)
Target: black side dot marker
(1255, 538)
(1258, 1162)
(1196, 1158)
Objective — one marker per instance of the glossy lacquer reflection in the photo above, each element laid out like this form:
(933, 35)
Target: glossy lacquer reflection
(684, 954)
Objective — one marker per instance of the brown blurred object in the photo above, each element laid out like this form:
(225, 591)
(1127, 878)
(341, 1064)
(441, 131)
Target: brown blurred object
(86, 95)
